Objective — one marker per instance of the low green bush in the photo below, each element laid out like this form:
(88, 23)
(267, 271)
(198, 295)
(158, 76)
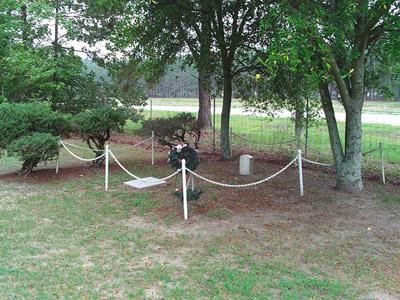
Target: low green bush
(30, 131)
(173, 130)
(33, 149)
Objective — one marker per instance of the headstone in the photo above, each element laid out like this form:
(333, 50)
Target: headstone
(140, 184)
(246, 165)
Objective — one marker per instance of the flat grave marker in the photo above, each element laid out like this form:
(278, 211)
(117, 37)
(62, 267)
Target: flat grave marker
(140, 184)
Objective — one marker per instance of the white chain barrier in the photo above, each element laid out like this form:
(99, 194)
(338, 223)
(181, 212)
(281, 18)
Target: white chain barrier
(79, 147)
(317, 163)
(64, 143)
(132, 146)
(136, 177)
(80, 158)
(242, 185)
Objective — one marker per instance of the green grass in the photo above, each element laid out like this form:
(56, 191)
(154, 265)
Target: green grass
(63, 242)
(69, 239)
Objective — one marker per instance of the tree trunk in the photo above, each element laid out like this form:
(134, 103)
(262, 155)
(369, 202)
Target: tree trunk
(226, 152)
(299, 122)
(204, 117)
(24, 19)
(349, 174)
(348, 163)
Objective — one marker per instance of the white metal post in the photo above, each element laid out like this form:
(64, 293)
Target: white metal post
(300, 172)
(152, 148)
(58, 154)
(382, 166)
(184, 193)
(106, 171)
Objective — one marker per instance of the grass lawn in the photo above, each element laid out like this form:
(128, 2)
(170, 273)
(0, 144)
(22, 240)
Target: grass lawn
(63, 237)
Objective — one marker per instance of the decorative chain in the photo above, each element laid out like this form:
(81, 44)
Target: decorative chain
(242, 185)
(131, 146)
(76, 146)
(317, 163)
(80, 158)
(136, 177)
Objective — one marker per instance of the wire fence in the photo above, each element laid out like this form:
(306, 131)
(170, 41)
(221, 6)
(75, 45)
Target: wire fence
(273, 135)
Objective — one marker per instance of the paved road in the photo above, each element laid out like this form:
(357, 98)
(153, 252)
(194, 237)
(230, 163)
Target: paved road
(366, 118)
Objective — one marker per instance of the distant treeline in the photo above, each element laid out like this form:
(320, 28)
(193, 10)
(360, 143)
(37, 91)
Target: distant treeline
(178, 82)
(182, 82)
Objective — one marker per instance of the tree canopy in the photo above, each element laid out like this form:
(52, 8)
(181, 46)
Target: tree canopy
(333, 41)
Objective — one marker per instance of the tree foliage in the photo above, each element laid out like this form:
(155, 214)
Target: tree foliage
(173, 130)
(96, 126)
(36, 65)
(31, 131)
(332, 41)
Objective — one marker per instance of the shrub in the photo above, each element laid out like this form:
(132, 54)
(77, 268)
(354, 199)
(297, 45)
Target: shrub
(33, 149)
(21, 126)
(95, 127)
(173, 130)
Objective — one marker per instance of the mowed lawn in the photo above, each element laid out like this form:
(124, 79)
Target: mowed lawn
(64, 237)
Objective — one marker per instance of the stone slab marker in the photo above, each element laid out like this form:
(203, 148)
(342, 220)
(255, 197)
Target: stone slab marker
(139, 184)
(246, 165)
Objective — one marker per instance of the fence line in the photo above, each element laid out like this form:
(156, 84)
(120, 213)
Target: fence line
(138, 178)
(81, 158)
(265, 144)
(64, 143)
(241, 185)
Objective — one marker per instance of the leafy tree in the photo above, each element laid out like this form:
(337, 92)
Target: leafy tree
(96, 126)
(37, 67)
(33, 149)
(156, 34)
(173, 130)
(221, 36)
(332, 41)
(30, 131)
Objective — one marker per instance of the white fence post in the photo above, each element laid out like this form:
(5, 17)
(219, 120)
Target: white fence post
(382, 166)
(184, 193)
(152, 148)
(58, 155)
(106, 171)
(300, 172)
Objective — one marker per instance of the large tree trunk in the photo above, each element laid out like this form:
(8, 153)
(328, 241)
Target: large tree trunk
(348, 163)
(226, 151)
(349, 174)
(204, 117)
